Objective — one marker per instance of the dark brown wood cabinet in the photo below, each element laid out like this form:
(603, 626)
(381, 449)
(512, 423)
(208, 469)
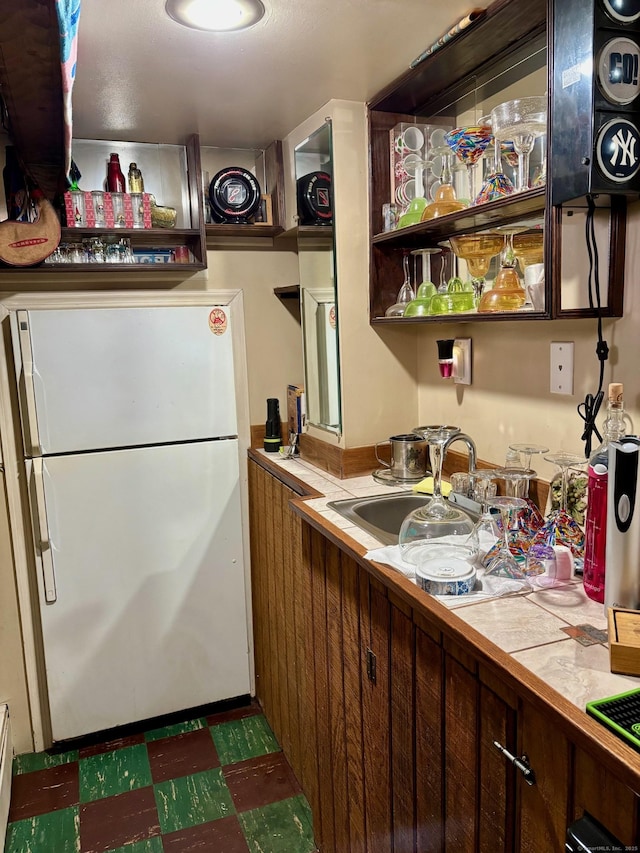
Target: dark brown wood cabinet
(390, 721)
(506, 44)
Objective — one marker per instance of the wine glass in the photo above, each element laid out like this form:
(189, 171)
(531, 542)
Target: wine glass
(419, 306)
(559, 527)
(507, 293)
(469, 144)
(520, 121)
(527, 520)
(502, 563)
(486, 530)
(496, 184)
(477, 250)
(437, 518)
(527, 450)
(405, 294)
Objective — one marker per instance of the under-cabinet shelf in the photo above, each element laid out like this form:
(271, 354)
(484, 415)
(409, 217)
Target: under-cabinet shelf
(233, 231)
(476, 218)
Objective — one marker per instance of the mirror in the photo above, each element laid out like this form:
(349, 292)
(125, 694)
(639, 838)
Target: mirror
(317, 269)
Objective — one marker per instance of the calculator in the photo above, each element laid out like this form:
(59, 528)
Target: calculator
(620, 714)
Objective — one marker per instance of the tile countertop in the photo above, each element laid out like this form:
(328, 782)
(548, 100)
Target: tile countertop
(558, 634)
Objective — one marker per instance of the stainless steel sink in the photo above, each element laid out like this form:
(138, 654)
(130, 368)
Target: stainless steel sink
(382, 515)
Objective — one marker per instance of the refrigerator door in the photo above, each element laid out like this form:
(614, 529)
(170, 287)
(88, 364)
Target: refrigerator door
(122, 377)
(150, 610)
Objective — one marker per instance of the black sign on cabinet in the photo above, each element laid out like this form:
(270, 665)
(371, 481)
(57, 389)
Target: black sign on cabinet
(595, 105)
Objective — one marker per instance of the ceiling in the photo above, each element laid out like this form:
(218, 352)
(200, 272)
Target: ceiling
(143, 77)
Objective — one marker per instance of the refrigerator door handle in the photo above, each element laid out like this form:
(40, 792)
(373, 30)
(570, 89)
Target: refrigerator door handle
(31, 426)
(48, 572)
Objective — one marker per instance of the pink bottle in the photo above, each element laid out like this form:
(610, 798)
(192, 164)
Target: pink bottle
(596, 520)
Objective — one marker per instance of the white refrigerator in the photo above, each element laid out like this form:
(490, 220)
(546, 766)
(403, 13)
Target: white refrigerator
(131, 448)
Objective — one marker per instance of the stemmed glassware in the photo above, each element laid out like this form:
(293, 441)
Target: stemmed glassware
(405, 294)
(496, 184)
(503, 563)
(520, 121)
(507, 293)
(438, 518)
(486, 529)
(559, 527)
(419, 306)
(477, 250)
(469, 144)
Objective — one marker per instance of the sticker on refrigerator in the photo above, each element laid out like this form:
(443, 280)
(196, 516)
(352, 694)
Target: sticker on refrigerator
(218, 321)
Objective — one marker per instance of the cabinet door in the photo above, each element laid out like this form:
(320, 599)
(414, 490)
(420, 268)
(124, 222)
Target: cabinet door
(496, 792)
(543, 807)
(374, 627)
(598, 793)
(460, 756)
(429, 731)
(401, 672)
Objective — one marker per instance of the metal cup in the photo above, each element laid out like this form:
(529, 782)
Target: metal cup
(408, 457)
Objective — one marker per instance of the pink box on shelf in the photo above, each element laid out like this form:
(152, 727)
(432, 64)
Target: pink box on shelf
(109, 220)
(128, 210)
(146, 210)
(89, 212)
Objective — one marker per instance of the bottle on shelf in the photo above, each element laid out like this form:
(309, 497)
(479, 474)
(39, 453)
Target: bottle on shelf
(614, 429)
(136, 181)
(205, 197)
(115, 179)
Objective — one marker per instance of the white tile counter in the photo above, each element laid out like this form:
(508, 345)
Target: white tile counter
(558, 634)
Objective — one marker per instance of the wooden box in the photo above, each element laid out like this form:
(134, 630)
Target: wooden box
(624, 640)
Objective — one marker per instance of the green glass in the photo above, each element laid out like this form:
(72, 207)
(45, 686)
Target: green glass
(452, 303)
(419, 307)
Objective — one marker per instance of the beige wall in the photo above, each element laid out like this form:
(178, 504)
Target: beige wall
(509, 399)
(378, 369)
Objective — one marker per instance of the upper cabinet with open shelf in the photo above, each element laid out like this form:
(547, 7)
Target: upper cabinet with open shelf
(503, 56)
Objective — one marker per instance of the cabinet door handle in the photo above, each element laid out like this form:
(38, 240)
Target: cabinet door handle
(521, 763)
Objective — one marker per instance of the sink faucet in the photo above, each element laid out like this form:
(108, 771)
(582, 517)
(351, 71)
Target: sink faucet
(473, 455)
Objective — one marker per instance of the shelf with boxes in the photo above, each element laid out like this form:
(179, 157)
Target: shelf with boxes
(158, 230)
(438, 145)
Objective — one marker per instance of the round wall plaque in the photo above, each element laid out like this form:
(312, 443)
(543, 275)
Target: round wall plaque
(234, 194)
(617, 70)
(618, 150)
(624, 11)
(314, 199)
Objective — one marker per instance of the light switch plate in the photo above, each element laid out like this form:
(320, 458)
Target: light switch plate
(562, 367)
(462, 361)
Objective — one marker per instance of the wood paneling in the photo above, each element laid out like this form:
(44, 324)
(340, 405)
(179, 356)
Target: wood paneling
(403, 759)
(544, 807)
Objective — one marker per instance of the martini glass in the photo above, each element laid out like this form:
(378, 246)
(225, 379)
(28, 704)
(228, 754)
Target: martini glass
(469, 144)
(526, 451)
(507, 293)
(438, 518)
(502, 563)
(477, 250)
(521, 121)
(559, 527)
(405, 294)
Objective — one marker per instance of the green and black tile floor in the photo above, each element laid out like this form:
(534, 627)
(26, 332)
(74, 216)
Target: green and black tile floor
(218, 784)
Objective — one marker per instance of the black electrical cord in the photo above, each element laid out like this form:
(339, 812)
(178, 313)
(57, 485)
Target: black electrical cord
(588, 410)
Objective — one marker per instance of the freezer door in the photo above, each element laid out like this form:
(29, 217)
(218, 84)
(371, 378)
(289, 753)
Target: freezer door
(149, 615)
(122, 377)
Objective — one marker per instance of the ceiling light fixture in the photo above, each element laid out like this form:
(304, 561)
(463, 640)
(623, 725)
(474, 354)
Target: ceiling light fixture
(215, 15)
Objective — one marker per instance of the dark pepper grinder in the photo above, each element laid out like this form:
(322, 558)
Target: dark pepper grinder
(273, 427)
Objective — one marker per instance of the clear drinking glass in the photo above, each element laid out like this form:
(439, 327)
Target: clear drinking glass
(438, 518)
(520, 121)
